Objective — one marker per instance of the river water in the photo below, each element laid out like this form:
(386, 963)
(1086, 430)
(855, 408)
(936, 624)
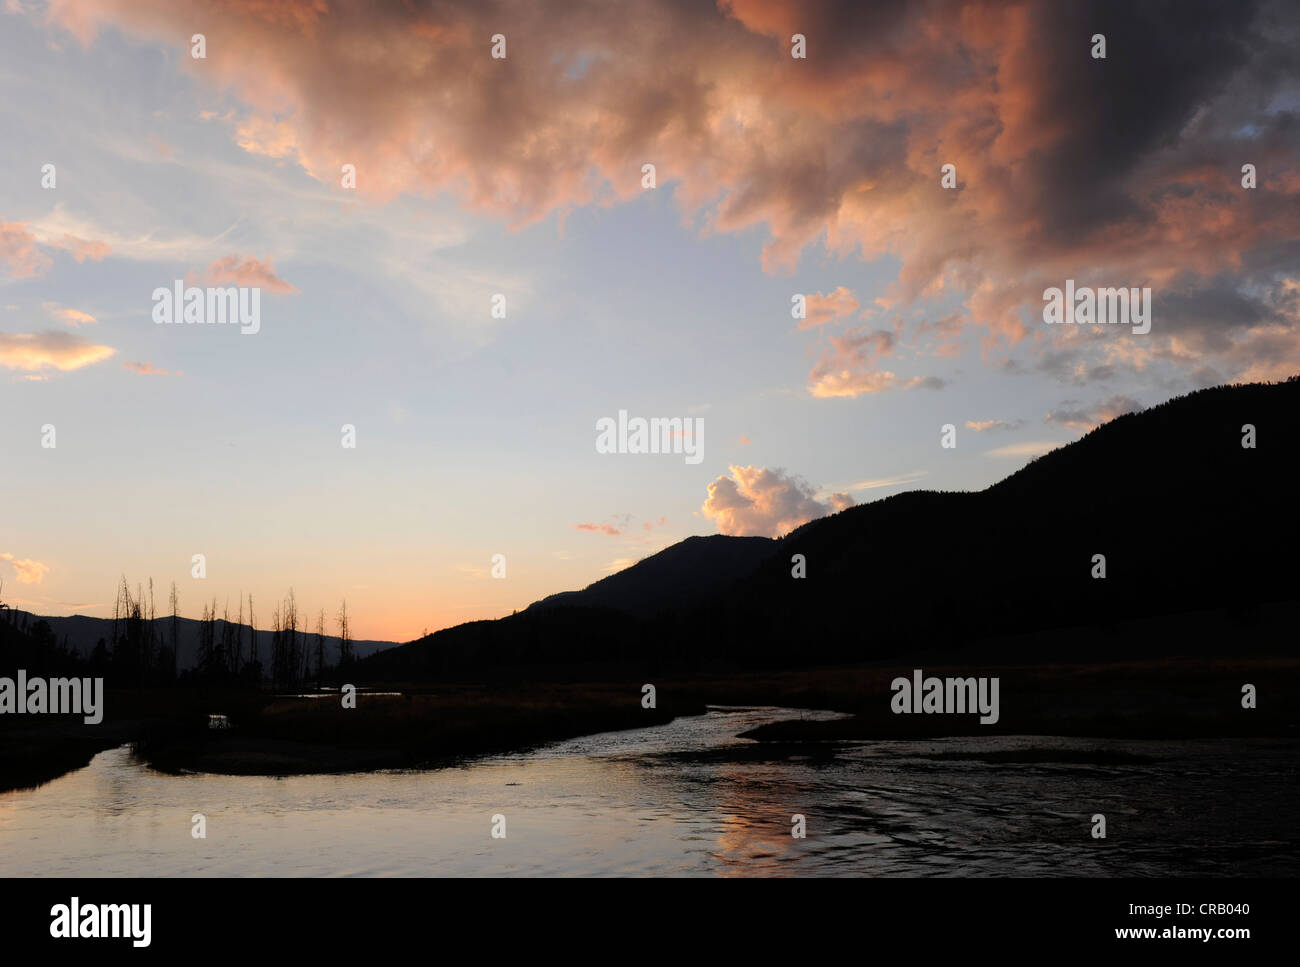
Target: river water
(689, 798)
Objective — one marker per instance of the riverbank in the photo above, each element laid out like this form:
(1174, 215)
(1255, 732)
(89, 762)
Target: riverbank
(1165, 699)
(426, 728)
(427, 725)
(42, 750)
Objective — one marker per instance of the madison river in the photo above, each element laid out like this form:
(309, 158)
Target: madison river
(689, 798)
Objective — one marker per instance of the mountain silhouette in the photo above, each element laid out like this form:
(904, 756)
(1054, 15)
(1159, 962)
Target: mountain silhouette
(83, 632)
(677, 577)
(1186, 518)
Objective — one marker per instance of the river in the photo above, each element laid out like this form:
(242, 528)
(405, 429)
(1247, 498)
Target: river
(689, 798)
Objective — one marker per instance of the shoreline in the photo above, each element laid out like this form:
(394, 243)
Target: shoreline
(435, 725)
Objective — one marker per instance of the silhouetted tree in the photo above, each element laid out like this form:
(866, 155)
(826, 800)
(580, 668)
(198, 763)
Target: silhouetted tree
(320, 645)
(345, 637)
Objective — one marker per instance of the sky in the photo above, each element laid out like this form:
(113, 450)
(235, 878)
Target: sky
(522, 176)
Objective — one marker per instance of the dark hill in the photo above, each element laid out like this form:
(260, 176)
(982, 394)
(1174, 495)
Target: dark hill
(82, 632)
(672, 580)
(1186, 517)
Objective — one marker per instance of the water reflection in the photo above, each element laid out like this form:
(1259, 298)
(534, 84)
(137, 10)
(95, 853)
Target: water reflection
(689, 798)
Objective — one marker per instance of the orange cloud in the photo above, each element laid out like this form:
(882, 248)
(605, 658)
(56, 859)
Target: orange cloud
(56, 350)
(762, 502)
(23, 255)
(145, 369)
(849, 367)
(979, 426)
(1028, 449)
(19, 254)
(247, 271)
(73, 317)
(824, 308)
(274, 139)
(1064, 173)
(607, 529)
(27, 570)
(81, 250)
(1082, 419)
(847, 382)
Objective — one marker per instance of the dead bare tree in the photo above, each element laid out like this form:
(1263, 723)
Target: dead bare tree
(237, 654)
(175, 634)
(254, 652)
(345, 636)
(320, 645)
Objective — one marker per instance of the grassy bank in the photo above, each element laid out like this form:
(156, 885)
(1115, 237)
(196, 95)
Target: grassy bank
(1167, 699)
(430, 725)
(1187, 698)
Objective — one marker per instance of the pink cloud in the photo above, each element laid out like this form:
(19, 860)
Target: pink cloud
(1084, 418)
(1063, 171)
(762, 502)
(55, 350)
(81, 250)
(20, 255)
(823, 308)
(27, 570)
(23, 256)
(146, 369)
(247, 271)
(73, 317)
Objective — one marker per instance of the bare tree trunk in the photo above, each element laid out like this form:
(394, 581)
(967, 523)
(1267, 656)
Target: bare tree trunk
(175, 635)
(345, 638)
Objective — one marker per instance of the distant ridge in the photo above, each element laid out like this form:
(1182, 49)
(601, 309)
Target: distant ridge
(674, 579)
(83, 632)
(1186, 518)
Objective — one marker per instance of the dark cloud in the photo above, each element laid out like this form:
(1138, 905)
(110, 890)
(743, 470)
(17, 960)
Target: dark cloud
(1122, 171)
(1084, 418)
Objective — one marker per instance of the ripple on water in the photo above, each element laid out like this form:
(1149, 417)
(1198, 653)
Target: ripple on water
(689, 798)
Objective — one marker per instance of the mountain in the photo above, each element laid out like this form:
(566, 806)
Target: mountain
(1187, 519)
(676, 578)
(82, 632)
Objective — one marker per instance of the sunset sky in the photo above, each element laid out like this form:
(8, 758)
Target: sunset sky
(522, 176)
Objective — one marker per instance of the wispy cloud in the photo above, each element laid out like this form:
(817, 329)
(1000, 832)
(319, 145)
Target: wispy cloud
(55, 350)
(73, 317)
(20, 255)
(60, 225)
(1073, 416)
(147, 369)
(841, 150)
(879, 482)
(983, 426)
(247, 271)
(83, 250)
(822, 308)
(1028, 449)
(27, 570)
